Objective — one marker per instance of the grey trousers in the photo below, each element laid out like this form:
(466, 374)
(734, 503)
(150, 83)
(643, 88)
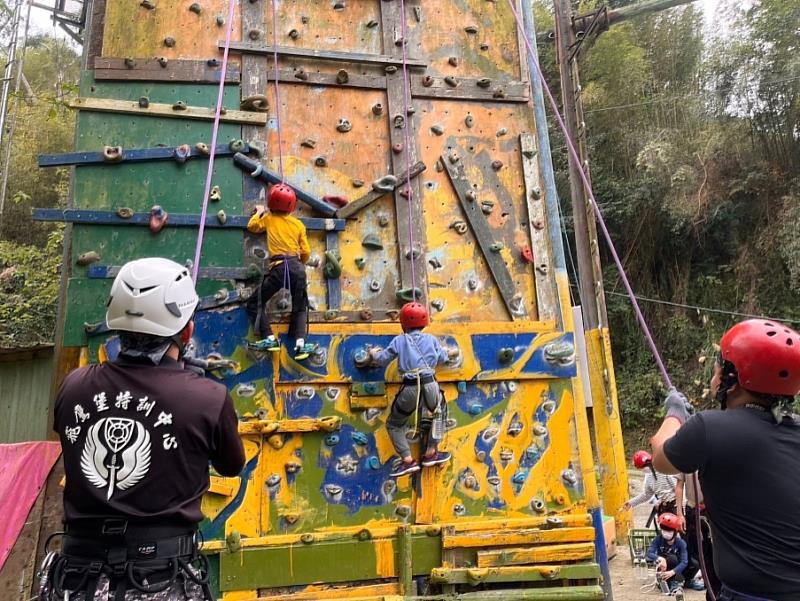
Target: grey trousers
(402, 411)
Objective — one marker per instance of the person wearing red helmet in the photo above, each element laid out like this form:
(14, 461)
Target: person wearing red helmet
(746, 455)
(288, 248)
(668, 552)
(658, 485)
(417, 354)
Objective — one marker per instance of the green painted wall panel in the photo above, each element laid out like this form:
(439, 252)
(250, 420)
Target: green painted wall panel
(25, 397)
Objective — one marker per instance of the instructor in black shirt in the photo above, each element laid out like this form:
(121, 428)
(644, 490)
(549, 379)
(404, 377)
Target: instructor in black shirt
(748, 458)
(137, 435)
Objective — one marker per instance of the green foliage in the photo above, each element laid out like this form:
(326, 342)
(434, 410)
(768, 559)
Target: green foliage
(29, 284)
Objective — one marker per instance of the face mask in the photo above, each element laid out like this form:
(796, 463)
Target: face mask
(667, 534)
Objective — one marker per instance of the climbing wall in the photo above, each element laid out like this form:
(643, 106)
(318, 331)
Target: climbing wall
(466, 234)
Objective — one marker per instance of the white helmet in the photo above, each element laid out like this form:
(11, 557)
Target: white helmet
(151, 296)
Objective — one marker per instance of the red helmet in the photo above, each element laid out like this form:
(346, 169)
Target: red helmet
(282, 198)
(414, 315)
(641, 459)
(766, 355)
(669, 521)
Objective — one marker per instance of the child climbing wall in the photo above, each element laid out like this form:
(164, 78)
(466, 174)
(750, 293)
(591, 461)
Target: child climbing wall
(418, 355)
(289, 251)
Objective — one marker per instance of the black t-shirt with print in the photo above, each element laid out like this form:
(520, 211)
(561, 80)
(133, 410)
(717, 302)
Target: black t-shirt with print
(137, 440)
(748, 467)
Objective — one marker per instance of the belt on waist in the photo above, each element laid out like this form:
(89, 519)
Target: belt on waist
(422, 380)
(120, 551)
(124, 529)
(281, 258)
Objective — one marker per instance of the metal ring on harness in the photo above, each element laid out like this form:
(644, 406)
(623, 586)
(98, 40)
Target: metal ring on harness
(146, 588)
(203, 569)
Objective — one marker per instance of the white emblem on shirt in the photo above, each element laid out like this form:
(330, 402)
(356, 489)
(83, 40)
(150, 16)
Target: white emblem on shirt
(116, 454)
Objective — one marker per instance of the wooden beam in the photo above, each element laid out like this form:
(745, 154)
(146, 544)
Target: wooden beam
(155, 109)
(313, 78)
(540, 573)
(468, 89)
(326, 55)
(526, 536)
(158, 153)
(322, 424)
(571, 593)
(546, 553)
(351, 208)
(148, 69)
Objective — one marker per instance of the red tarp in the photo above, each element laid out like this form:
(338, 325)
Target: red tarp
(23, 471)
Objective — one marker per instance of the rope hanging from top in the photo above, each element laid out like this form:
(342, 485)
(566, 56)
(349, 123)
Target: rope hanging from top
(407, 145)
(276, 77)
(593, 202)
(214, 133)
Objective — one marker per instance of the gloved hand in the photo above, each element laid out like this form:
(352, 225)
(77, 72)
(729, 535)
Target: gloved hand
(677, 405)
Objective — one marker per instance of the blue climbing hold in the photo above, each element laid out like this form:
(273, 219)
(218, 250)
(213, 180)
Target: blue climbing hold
(475, 408)
(374, 463)
(359, 438)
(461, 387)
(518, 478)
(332, 440)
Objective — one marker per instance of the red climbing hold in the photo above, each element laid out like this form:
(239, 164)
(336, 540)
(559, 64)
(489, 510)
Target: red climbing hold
(335, 200)
(158, 218)
(527, 254)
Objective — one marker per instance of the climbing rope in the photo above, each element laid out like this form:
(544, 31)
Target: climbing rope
(214, 133)
(276, 77)
(407, 144)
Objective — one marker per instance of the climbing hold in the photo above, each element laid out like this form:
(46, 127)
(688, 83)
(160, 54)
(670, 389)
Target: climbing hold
(371, 24)
(518, 478)
(390, 69)
(233, 541)
(461, 387)
(212, 62)
(342, 76)
(330, 315)
(375, 285)
(497, 165)
(403, 511)
(409, 294)
(195, 8)
(496, 247)
(493, 480)
(453, 157)
(459, 509)
(437, 304)
(471, 195)
(254, 34)
(538, 506)
(569, 477)
(162, 61)
(387, 183)
(435, 263)
(484, 46)
(339, 5)
(304, 19)
(479, 455)
(527, 254)
(427, 81)
(256, 102)
(399, 121)
(505, 355)
(203, 148)
(366, 315)
(314, 261)
(361, 357)
(417, 13)
(506, 455)
(87, 258)
(374, 463)
(309, 143)
(294, 34)
(487, 206)
(169, 42)
(472, 284)
(560, 352)
(372, 242)
(437, 129)
(333, 266)
(529, 153)
(484, 82)
(393, 314)
(539, 430)
(413, 254)
(180, 105)
(536, 193)
(359, 438)
(501, 132)
(125, 212)
(383, 220)
(306, 538)
(335, 200)
(459, 226)
(237, 145)
(470, 482)
(469, 121)
(332, 440)
(301, 74)
(222, 217)
(293, 466)
(499, 93)
(147, 4)
(471, 29)
(343, 125)
(357, 183)
(549, 407)
(321, 161)
(453, 60)
(514, 429)
(182, 153)
(130, 63)
(158, 218)
(451, 81)
(377, 109)
(254, 272)
(112, 154)
(360, 262)
(397, 148)
(291, 517)
(273, 480)
(220, 20)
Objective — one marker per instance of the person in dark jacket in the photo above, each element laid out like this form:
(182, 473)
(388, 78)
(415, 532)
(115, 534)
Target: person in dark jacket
(668, 551)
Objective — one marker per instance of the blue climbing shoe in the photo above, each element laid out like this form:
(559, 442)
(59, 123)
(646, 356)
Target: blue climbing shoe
(302, 352)
(265, 344)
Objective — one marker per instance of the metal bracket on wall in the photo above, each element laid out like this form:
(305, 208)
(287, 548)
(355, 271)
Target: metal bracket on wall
(160, 153)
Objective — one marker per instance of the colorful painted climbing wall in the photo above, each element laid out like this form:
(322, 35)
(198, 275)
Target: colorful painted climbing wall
(408, 131)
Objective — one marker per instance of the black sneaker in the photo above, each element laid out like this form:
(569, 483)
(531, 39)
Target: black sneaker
(404, 468)
(437, 459)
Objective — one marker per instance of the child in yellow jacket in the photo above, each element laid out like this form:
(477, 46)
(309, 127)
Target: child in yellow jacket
(287, 245)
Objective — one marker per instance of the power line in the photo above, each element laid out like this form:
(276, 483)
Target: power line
(687, 96)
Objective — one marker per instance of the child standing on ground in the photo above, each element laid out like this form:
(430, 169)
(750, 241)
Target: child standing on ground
(288, 248)
(418, 355)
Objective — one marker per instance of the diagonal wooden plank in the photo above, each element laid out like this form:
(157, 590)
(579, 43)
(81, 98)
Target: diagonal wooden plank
(454, 168)
(351, 208)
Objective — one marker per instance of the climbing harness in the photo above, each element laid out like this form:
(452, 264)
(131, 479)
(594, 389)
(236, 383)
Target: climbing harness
(214, 132)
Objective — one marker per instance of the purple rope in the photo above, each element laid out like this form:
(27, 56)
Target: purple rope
(277, 88)
(407, 142)
(593, 202)
(215, 131)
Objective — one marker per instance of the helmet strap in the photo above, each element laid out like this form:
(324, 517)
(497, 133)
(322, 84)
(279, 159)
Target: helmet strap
(727, 380)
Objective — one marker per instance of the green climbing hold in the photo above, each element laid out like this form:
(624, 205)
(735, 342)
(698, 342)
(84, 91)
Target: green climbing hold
(333, 265)
(237, 145)
(409, 294)
(195, 8)
(360, 262)
(496, 247)
(372, 242)
(506, 355)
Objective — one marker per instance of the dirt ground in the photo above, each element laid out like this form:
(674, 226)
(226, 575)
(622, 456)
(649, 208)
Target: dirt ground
(623, 580)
